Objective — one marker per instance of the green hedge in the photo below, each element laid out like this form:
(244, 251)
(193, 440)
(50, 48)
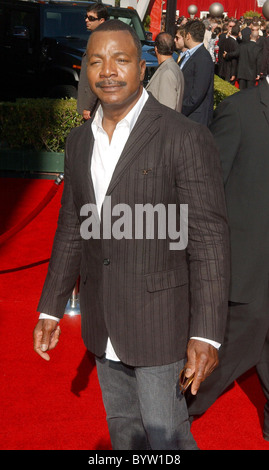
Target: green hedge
(40, 124)
(43, 124)
(222, 89)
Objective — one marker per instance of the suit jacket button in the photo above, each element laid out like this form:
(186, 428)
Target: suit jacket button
(106, 261)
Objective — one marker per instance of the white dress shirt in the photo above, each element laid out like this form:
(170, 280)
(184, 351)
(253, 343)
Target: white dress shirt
(105, 157)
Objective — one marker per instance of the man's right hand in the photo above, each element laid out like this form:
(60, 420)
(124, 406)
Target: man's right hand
(46, 336)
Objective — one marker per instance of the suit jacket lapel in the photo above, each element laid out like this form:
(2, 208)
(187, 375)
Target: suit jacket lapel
(187, 64)
(144, 130)
(189, 61)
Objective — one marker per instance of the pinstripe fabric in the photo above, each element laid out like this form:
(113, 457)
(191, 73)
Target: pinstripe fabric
(149, 299)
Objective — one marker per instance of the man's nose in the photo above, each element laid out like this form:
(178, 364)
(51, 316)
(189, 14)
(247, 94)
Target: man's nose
(108, 68)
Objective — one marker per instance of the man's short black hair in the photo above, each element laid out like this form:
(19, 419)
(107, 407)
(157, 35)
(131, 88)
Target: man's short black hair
(196, 28)
(164, 43)
(235, 30)
(117, 25)
(99, 9)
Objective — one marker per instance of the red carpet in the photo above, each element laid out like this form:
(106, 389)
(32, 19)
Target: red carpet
(57, 405)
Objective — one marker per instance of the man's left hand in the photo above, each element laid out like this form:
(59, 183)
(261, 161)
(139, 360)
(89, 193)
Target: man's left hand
(202, 359)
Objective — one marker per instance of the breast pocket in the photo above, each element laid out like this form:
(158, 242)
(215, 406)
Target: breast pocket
(150, 184)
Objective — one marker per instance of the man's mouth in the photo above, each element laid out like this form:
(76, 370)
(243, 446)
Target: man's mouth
(108, 85)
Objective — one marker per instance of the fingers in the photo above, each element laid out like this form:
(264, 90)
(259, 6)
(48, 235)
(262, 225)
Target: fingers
(202, 360)
(46, 336)
(86, 114)
(200, 373)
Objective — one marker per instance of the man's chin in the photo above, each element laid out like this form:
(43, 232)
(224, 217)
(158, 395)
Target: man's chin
(116, 98)
(111, 100)
(109, 96)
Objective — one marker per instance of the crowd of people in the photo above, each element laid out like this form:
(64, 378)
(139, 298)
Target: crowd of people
(239, 48)
(149, 312)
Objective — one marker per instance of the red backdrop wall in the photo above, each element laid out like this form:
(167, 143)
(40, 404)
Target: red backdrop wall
(235, 8)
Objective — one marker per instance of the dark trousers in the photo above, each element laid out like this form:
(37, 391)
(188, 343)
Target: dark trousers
(243, 84)
(144, 408)
(246, 345)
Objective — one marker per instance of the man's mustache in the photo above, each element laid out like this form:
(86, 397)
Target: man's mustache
(105, 83)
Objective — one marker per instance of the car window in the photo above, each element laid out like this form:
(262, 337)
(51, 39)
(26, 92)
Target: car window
(70, 21)
(65, 22)
(131, 19)
(22, 21)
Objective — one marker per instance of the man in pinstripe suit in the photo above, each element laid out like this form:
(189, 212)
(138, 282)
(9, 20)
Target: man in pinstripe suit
(147, 305)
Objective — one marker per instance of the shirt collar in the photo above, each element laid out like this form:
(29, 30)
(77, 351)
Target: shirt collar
(129, 120)
(193, 49)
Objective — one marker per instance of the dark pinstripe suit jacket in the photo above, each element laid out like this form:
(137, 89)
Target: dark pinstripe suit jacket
(148, 299)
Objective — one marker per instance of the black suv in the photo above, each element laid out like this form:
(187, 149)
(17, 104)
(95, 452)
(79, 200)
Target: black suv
(42, 43)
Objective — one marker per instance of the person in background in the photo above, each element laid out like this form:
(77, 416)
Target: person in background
(213, 42)
(246, 30)
(179, 42)
(249, 61)
(222, 37)
(96, 14)
(265, 53)
(198, 70)
(167, 83)
(241, 131)
(230, 55)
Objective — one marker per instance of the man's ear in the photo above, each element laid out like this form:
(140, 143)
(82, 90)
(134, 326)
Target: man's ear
(142, 64)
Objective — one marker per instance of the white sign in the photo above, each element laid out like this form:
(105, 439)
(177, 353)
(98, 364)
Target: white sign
(261, 3)
(128, 3)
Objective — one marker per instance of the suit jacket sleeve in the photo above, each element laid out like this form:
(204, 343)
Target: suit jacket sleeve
(199, 184)
(64, 266)
(233, 54)
(226, 130)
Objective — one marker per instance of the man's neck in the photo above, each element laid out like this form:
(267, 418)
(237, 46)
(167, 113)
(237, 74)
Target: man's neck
(194, 44)
(163, 58)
